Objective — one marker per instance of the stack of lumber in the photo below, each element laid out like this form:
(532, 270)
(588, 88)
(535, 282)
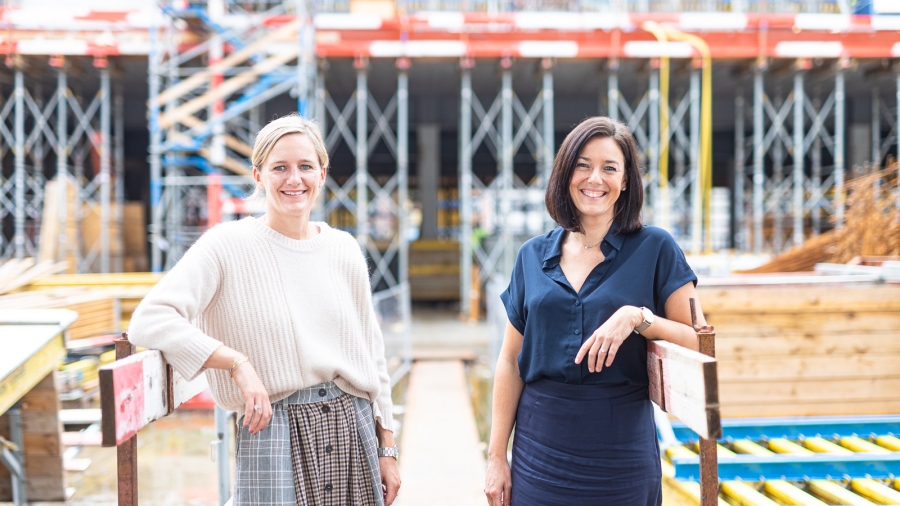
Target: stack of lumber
(104, 302)
(803, 350)
(41, 432)
(15, 273)
(871, 227)
(83, 229)
(434, 270)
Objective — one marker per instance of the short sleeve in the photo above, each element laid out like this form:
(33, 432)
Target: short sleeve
(514, 296)
(672, 272)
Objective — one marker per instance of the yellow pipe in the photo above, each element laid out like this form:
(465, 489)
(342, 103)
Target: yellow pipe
(745, 495)
(820, 445)
(788, 493)
(663, 182)
(897, 483)
(827, 490)
(890, 442)
(705, 123)
(721, 451)
(784, 491)
(875, 491)
(688, 488)
(103, 280)
(749, 447)
(781, 445)
(861, 445)
(836, 494)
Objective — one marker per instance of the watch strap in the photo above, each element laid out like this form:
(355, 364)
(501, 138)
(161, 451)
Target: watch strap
(644, 324)
(388, 451)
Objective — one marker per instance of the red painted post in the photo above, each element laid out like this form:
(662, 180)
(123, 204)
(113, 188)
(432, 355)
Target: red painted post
(214, 200)
(126, 453)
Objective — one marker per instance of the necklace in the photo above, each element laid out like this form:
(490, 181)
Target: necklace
(589, 246)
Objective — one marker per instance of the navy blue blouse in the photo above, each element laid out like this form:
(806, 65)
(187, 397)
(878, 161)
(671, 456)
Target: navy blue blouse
(641, 269)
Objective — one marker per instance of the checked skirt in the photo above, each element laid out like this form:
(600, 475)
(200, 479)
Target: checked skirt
(318, 450)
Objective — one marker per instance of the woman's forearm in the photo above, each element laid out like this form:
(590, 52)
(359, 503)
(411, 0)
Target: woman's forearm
(385, 437)
(507, 391)
(223, 358)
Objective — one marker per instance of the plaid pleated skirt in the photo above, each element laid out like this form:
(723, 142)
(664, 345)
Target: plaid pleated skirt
(320, 449)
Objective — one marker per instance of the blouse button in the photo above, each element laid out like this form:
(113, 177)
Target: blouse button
(322, 392)
(329, 487)
(326, 409)
(577, 331)
(577, 302)
(591, 280)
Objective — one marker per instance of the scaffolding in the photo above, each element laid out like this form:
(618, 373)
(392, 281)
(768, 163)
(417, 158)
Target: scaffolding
(61, 139)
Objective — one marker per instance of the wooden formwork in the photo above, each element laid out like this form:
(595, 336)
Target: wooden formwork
(806, 350)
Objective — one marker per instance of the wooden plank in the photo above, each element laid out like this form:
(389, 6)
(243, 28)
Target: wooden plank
(832, 368)
(765, 300)
(137, 390)
(812, 344)
(780, 391)
(683, 383)
(33, 369)
(889, 406)
(855, 322)
(227, 87)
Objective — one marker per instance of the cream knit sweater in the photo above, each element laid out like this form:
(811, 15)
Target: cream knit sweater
(300, 310)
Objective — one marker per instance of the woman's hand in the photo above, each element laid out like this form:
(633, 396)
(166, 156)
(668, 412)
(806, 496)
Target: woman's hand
(254, 395)
(498, 483)
(603, 344)
(390, 479)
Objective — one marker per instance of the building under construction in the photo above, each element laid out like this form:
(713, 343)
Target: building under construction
(441, 118)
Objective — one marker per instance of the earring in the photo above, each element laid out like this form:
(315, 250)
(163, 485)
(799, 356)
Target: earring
(623, 188)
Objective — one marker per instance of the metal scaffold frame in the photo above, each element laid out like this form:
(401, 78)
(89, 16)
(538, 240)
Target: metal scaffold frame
(800, 126)
(504, 127)
(881, 143)
(203, 118)
(82, 135)
(679, 196)
(379, 209)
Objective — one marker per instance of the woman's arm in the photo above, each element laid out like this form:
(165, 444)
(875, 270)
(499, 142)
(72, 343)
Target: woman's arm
(508, 387)
(603, 344)
(390, 474)
(247, 380)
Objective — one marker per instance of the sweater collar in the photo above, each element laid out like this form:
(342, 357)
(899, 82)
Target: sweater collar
(259, 226)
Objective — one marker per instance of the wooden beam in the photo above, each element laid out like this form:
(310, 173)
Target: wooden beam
(139, 389)
(227, 87)
(683, 382)
(230, 140)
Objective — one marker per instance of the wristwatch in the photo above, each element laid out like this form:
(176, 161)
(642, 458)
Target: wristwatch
(388, 451)
(648, 320)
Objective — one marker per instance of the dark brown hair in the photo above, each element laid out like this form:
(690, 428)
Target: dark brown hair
(559, 203)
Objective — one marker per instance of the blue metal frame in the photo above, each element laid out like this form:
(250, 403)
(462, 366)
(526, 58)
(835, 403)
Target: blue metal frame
(798, 427)
(794, 467)
(204, 165)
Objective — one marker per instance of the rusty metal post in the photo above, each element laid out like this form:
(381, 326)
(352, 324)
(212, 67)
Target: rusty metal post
(126, 453)
(709, 464)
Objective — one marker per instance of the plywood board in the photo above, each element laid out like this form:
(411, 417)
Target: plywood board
(810, 367)
(760, 391)
(809, 344)
(683, 383)
(803, 299)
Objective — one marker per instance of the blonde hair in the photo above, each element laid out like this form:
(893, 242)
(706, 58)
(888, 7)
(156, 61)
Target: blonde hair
(278, 128)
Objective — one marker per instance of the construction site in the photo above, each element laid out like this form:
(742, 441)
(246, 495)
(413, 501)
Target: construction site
(768, 137)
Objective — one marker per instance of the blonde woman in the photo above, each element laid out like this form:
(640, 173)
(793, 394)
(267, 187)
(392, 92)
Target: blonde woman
(277, 311)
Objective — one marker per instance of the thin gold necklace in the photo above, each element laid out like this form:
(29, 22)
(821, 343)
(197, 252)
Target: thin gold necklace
(589, 246)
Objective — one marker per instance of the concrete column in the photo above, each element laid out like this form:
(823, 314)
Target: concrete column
(429, 172)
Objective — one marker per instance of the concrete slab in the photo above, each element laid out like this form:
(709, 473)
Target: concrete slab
(441, 457)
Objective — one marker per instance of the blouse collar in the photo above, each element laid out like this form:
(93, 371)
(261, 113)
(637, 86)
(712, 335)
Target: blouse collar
(555, 238)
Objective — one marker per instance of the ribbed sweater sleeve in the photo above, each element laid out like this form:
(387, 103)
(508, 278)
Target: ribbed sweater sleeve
(164, 319)
(382, 405)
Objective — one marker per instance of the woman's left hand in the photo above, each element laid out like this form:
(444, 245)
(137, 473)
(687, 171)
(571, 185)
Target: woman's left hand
(390, 478)
(603, 344)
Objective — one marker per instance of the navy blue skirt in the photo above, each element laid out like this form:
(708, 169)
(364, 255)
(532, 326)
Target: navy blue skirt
(585, 445)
